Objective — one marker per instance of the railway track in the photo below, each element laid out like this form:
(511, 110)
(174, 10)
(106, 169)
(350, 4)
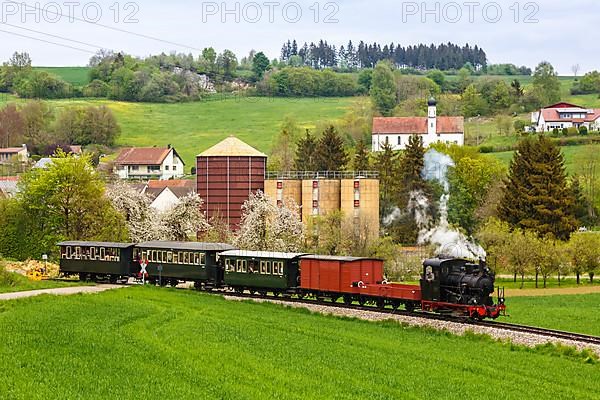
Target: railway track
(548, 333)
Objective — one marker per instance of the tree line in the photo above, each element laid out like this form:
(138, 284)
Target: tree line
(43, 128)
(445, 56)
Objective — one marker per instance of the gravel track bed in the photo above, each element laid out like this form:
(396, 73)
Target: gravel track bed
(519, 338)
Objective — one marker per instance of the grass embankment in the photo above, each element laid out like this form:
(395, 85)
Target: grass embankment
(12, 282)
(575, 313)
(164, 343)
(77, 76)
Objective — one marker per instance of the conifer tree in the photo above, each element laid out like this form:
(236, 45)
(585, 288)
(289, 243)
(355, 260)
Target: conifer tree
(361, 160)
(412, 163)
(583, 209)
(536, 194)
(331, 153)
(386, 164)
(306, 153)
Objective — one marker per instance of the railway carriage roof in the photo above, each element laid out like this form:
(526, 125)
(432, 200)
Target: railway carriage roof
(191, 246)
(340, 258)
(261, 254)
(96, 244)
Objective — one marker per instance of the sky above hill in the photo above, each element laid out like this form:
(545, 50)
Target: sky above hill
(58, 33)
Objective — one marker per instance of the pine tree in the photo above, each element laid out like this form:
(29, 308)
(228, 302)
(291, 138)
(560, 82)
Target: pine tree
(306, 153)
(583, 209)
(361, 160)
(386, 164)
(411, 164)
(536, 194)
(331, 153)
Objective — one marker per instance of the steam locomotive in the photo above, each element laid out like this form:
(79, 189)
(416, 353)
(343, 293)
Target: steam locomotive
(447, 285)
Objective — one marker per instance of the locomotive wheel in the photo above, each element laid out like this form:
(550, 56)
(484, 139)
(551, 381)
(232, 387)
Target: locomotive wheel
(410, 307)
(347, 300)
(300, 295)
(83, 277)
(395, 305)
(381, 304)
(263, 293)
(113, 279)
(276, 293)
(362, 301)
(334, 299)
(239, 290)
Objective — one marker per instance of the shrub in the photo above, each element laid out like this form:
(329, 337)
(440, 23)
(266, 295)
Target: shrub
(486, 149)
(555, 131)
(565, 131)
(583, 130)
(572, 131)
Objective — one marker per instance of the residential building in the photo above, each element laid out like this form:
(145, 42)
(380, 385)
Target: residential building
(166, 194)
(12, 154)
(565, 115)
(149, 163)
(397, 130)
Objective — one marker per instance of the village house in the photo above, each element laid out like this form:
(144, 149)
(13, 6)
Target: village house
(565, 115)
(166, 194)
(149, 163)
(397, 130)
(12, 154)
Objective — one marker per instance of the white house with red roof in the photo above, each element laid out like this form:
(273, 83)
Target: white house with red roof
(12, 154)
(565, 115)
(149, 163)
(433, 129)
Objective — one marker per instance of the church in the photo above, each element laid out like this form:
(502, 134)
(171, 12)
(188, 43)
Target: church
(397, 130)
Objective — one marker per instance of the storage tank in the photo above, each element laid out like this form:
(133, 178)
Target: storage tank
(360, 205)
(319, 197)
(226, 175)
(280, 190)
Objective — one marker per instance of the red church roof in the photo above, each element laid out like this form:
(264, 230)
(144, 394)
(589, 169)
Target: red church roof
(416, 125)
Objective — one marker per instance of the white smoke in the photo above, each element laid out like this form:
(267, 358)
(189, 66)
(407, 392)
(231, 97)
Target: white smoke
(449, 241)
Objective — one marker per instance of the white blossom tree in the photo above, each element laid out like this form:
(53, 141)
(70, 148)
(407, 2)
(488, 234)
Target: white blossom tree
(266, 226)
(185, 219)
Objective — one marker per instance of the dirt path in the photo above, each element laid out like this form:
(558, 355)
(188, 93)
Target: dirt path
(59, 291)
(551, 292)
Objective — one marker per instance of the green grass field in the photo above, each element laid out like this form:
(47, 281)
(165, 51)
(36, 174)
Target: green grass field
(193, 127)
(575, 313)
(11, 282)
(154, 343)
(77, 76)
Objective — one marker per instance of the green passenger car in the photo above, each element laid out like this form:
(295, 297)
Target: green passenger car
(181, 261)
(260, 270)
(96, 260)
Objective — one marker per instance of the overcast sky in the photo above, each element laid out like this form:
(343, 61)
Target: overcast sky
(561, 32)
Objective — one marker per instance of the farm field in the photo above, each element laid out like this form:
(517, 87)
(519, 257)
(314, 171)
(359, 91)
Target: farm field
(185, 344)
(576, 312)
(77, 76)
(193, 127)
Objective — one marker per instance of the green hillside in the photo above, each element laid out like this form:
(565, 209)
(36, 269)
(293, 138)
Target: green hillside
(77, 76)
(193, 127)
(155, 343)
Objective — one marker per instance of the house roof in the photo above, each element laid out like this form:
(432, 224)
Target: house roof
(8, 186)
(563, 105)
(416, 125)
(232, 147)
(172, 183)
(43, 162)
(552, 115)
(178, 192)
(144, 155)
(12, 150)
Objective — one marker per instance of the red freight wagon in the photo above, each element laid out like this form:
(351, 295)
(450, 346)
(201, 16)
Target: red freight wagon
(338, 274)
(354, 279)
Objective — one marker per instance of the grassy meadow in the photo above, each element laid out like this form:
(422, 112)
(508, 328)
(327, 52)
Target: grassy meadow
(574, 312)
(193, 127)
(157, 343)
(12, 282)
(77, 76)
